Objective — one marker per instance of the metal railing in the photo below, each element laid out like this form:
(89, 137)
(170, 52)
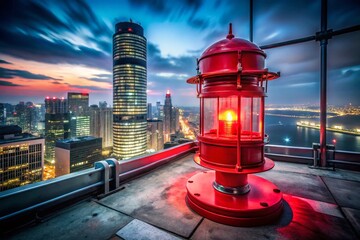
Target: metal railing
(102, 179)
(107, 175)
(311, 156)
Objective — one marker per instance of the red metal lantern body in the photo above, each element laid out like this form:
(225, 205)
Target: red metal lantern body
(231, 86)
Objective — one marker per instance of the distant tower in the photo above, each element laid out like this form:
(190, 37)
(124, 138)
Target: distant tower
(155, 135)
(129, 96)
(2, 114)
(167, 116)
(159, 110)
(149, 111)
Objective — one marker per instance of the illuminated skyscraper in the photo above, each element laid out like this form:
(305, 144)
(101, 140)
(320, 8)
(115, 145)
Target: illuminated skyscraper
(129, 76)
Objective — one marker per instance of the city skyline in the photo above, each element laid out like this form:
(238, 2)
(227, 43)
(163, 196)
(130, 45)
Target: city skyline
(66, 46)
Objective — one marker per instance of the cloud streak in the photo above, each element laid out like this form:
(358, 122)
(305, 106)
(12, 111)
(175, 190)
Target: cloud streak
(8, 84)
(94, 88)
(12, 73)
(4, 62)
(107, 78)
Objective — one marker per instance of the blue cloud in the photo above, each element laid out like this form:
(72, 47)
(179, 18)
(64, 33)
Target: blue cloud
(8, 84)
(11, 73)
(36, 33)
(4, 62)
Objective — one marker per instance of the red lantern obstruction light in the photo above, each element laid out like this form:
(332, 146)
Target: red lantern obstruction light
(231, 84)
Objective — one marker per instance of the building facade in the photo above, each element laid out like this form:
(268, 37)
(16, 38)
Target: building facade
(80, 125)
(155, 135)
(76, 154)
(78, 107)
(149, 111)
(78, 103)
(167, 116)
(159, 111)
(171, 118)
(129, 86)
(2, 114)
(175, 117)
(57, 125)
(101, 124)
(21, 157)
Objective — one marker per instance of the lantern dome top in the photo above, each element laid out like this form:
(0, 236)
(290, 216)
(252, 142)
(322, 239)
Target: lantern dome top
(229, 44)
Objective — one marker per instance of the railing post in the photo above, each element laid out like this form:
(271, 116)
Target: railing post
(104, 165)
(330, 152)
(316, 155)
(115, 171)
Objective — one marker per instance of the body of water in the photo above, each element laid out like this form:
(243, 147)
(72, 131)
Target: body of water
(283, 131)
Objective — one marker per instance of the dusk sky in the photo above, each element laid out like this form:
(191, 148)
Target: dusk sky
(49, 48)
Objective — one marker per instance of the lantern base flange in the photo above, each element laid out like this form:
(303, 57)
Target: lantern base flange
(266, 166)
(261, 205)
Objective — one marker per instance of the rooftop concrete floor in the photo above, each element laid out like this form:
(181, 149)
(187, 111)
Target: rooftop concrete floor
(319, 204)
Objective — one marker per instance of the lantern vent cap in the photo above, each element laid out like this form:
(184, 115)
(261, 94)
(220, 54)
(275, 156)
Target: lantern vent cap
(230, 44)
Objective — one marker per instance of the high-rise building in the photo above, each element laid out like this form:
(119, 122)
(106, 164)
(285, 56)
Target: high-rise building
(57, 125)
(155, 135)
(159, 111)
(76, 154)
(149, 111)
(31, 115)
(167, 116)
(55, 105)
(171, 118)
(101, 124)
(129, 96)
(19, 115)
(21, 157)
(103, 104)
(80, 125)
(78, 105)
(26, 116)
(2, 114)
(175, 117)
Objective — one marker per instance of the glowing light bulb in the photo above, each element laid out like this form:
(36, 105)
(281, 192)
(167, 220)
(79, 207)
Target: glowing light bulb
(228, 123)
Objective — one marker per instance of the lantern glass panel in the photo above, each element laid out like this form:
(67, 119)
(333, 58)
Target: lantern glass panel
(210, 117)
(246, 123)
(256, 119)
(228, 116)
